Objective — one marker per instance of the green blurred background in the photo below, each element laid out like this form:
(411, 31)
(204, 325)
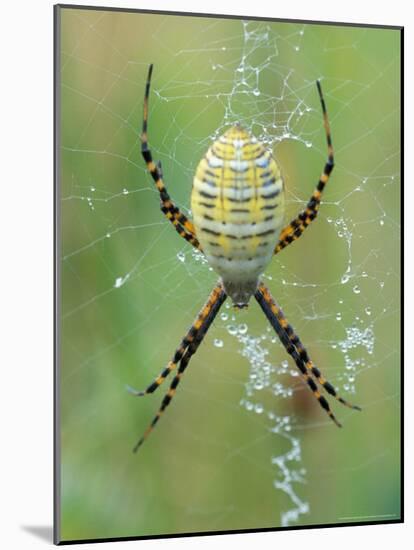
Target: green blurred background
(130, 287)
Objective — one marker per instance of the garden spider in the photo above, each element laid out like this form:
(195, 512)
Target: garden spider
(237, 202)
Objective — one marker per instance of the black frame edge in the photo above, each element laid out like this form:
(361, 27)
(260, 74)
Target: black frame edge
(230, 16)
(402, 137)
(56, 274)
(234, 532)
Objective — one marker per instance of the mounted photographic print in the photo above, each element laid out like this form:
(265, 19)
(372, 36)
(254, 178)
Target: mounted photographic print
(228, 274)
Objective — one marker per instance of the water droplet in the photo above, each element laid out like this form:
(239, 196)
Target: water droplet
(108, 235)
(224, 316)
(93, 189)
(258, 408)
(308, 144)
(181, 256)
(364, 274)
(259, 385)
(277, 388)
(125, 191)
(218, 343)
(242, 329)
(345, 278)
(368, 310)
(119, 281)
(356, 289)
(231, 329)
(256, 92)
(381, 222)
(338, 316)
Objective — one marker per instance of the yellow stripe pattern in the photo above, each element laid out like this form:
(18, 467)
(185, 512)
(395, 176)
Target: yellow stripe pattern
(237, 203)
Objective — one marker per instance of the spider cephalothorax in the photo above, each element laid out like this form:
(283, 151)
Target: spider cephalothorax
(237, 202)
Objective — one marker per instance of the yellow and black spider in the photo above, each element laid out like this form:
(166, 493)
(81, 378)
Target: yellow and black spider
(237, 202)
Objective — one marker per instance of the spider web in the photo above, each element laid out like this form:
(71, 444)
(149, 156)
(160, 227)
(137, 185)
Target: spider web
(262, 451)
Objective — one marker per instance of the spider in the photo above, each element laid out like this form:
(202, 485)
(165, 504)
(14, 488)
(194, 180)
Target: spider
(237, 202)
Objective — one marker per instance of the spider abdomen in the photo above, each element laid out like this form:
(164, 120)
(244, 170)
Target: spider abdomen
(238, 208)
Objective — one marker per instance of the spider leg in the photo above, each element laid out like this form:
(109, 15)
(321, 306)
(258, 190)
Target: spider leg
(212, 306)
(182, 224)
(296, 350)
(303, 354)
(298, 225)
(188, 339)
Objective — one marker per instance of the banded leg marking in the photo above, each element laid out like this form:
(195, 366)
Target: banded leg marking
(183, 226)
(303, 354)
(211, 308)
(297, 226)
(185, 343)
(296, 350)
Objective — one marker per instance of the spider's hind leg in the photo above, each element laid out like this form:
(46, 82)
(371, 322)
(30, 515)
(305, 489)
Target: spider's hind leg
(189, 338)
(187, 349)
(297, 351)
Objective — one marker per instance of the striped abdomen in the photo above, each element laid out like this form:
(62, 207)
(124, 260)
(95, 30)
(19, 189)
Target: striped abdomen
(238, 206)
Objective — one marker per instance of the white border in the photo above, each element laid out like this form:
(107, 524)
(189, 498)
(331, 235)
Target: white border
(26, 270)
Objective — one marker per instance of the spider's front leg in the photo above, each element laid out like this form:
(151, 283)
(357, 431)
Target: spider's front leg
(297, 226)
(183, 354)
(182, 224)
